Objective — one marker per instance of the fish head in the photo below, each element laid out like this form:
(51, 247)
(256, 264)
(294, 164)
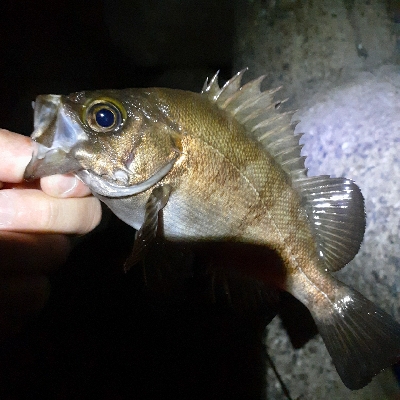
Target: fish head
(119, 142)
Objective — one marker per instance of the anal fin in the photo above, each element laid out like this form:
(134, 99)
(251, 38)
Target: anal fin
(146, 234)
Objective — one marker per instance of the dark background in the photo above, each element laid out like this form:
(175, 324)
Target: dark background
(66, 46)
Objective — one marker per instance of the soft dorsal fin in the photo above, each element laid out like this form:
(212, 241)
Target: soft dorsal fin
(257, 111)
(335, 207)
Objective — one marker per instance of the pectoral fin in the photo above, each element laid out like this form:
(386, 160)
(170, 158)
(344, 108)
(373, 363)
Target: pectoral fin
(146, 234)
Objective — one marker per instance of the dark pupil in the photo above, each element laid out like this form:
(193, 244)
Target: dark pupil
(105, 118)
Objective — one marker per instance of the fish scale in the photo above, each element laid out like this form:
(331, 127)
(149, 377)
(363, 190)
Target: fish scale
(219, 166)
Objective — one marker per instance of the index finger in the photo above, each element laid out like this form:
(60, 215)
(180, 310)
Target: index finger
(15, 152)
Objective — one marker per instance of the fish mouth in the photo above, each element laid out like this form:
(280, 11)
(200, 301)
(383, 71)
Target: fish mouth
(47, 161)
(56, 133)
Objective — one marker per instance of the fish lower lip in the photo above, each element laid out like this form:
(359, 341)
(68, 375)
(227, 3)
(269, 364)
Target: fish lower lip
(53, 162)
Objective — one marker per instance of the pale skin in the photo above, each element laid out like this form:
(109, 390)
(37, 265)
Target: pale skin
(35, 219)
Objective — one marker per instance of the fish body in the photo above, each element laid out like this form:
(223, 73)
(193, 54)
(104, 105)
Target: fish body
(223, 165)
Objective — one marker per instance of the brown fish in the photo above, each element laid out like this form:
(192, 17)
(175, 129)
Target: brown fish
(223, 165)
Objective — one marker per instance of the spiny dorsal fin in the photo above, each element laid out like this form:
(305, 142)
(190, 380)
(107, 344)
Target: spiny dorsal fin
(335, 207)
(257, 111)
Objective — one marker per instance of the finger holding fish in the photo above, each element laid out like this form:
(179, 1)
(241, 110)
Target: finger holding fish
(31, 210)
(34, 217)
(16, 152)
(26, 208)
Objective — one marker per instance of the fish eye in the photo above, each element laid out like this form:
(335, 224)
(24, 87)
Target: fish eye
(104, 115)
(105, 118)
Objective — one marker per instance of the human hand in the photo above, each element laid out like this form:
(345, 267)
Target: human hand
(34, 220)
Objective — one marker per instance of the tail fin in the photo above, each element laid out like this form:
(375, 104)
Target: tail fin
(360, 337)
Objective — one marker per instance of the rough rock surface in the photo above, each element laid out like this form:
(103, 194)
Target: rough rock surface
(340, 74)
(352, 131)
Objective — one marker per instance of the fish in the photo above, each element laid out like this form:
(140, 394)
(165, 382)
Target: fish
(223, 166)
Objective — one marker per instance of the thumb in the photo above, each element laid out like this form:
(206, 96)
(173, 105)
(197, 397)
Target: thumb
(64, 186)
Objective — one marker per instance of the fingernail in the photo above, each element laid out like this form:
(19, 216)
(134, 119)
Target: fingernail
(7, 210)
(61, 186)
(67, 184)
